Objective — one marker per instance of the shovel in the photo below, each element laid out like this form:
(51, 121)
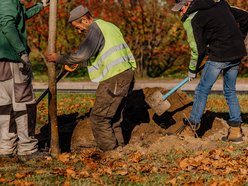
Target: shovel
(158, 102)
(63, 73)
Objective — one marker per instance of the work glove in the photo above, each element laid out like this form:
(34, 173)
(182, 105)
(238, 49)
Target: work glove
(191, 75)
(26, 69)
(45, 2)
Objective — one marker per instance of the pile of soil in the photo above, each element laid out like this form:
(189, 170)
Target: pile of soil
(143, 129)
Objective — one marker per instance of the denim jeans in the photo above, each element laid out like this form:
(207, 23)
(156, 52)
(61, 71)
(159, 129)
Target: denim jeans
(210, 74)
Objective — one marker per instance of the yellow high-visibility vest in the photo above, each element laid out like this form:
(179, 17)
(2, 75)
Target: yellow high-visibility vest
(115, 57)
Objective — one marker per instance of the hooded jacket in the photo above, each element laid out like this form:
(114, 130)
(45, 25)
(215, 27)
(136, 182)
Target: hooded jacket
(215, 29)
(13, 36)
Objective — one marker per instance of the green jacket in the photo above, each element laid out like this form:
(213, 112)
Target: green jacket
(13, 36)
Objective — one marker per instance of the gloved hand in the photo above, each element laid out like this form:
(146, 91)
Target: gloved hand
(26, 69)
(191, 75)
(45, 2)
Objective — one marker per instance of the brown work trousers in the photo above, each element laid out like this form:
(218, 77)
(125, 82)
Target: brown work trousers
(106, 115)
(17, 111)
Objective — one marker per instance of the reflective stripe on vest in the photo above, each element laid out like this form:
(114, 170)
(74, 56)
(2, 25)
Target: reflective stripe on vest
(111, 65)
(104, 56)
(115, 56)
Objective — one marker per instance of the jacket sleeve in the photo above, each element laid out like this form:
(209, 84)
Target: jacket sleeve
(30, 12)
(196, 43)
(241, 17)
(90, 47)
(8, 16)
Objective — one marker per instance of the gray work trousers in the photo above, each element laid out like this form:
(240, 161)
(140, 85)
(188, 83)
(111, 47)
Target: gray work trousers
(106, 114)
(17, 111)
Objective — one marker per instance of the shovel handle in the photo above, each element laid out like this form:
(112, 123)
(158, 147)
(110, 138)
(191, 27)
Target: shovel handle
(175, 88)
(62, 74)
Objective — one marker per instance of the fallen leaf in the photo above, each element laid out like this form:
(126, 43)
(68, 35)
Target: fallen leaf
(84, 173)
(3, 180)
(20, 175)
(107, 170)
(213, 184)
(66, 183)
(21, 183)
(136, 178)
(70, 173)
(135, 158)
(122, 172)
(146, 168)
(243, 171)
(184, 164)
(172, 182)
(58, 171)
(65, 157)
(91, 165)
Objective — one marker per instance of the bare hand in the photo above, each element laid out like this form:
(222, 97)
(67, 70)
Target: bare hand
(45, 2)
(245, 64)
(52, 57)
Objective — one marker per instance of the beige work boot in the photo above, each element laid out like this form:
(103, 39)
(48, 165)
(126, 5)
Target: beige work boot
(234, 135)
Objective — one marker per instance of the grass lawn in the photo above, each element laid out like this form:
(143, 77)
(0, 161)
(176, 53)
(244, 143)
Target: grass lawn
(222, 166)
(81, 103)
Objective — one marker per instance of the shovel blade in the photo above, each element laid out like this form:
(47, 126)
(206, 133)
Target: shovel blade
(156, 102)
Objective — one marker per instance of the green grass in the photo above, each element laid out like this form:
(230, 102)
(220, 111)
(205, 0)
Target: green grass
(81, 103)
(67, 103)
(217, 103)
(165, 170)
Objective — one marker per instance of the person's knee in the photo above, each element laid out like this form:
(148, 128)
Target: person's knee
(105, 139)
(229, 94)
(107, 146)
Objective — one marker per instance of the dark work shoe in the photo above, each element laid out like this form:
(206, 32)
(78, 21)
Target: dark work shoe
(193, 126)
(234, 135)
(6, 156)
(35, 155)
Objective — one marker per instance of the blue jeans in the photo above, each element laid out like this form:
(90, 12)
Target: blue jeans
(210, 74)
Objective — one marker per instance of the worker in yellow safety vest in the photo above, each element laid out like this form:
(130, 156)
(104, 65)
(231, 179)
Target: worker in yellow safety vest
(110, 63)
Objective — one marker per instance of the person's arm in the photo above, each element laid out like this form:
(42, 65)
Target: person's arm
(91, 45)
(8, 16)
(30, 12)
(196, 43)
(241, 17)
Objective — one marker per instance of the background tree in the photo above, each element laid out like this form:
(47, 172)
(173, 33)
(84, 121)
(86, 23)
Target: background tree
(154, 33)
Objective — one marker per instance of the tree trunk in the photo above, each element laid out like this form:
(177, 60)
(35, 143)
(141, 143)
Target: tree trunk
(52, 106)
(246, 43)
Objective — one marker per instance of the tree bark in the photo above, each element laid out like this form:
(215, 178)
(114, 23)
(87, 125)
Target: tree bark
(52, 102)
(246, 43)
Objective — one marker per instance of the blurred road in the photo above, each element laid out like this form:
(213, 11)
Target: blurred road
(87, 86)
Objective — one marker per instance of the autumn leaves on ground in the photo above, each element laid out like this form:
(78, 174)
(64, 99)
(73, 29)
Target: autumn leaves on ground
(151, 156)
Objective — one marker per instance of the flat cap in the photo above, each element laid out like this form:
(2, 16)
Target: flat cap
(77, 12)
(179, 4)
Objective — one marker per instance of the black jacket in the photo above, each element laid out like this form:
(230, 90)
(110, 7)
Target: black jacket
(216, 30)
